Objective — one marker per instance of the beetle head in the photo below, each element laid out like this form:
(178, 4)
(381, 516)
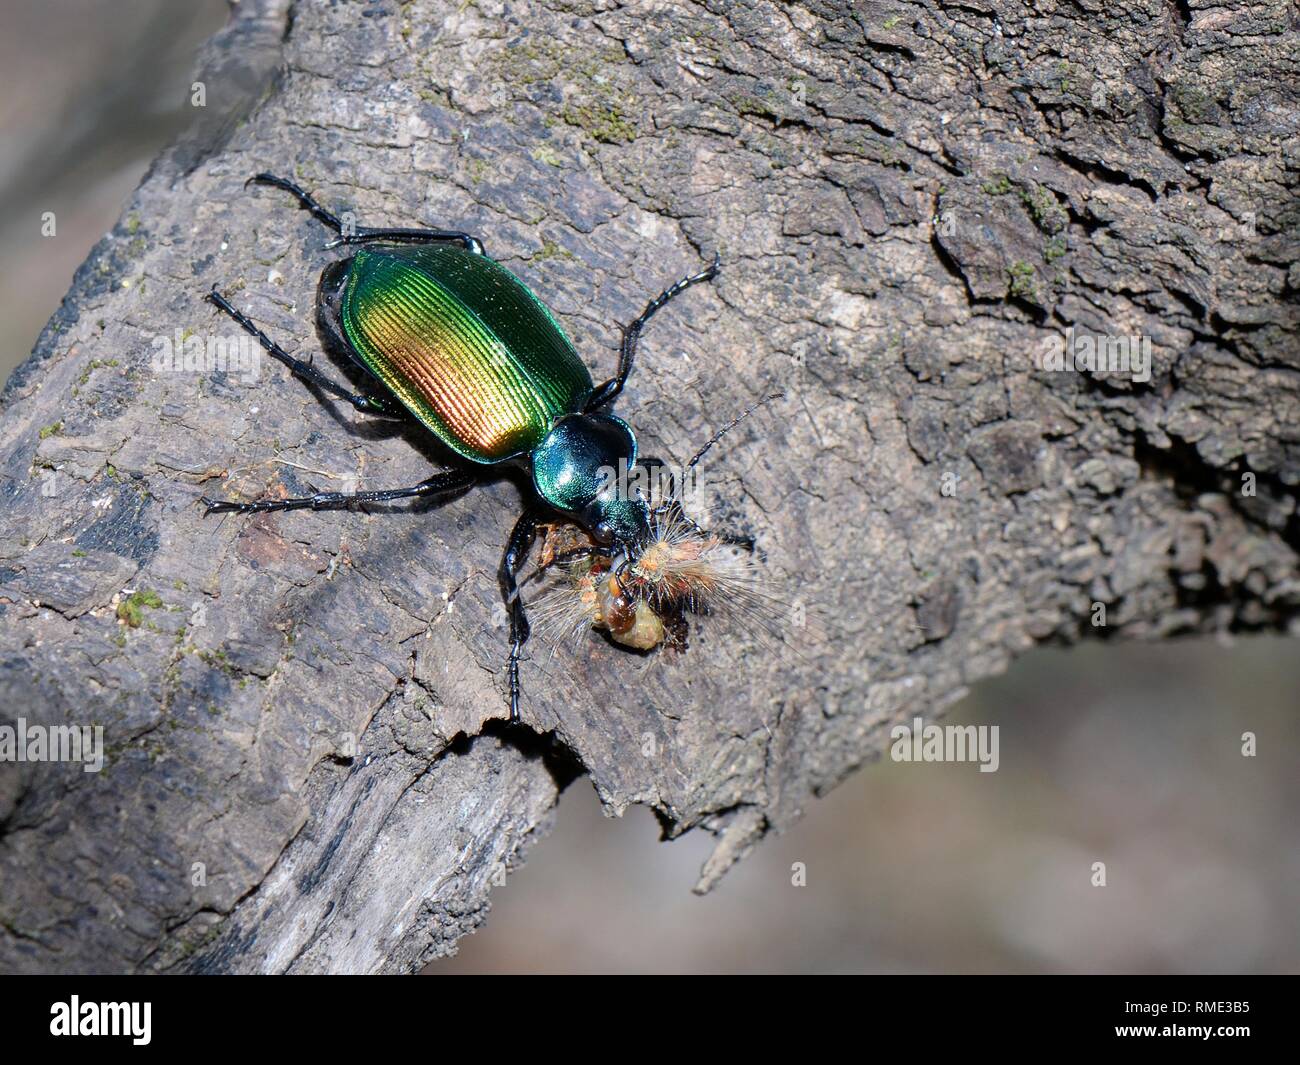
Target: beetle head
(581, 469)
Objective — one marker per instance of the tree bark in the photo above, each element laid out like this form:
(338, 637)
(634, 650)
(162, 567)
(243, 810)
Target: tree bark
(307, 767)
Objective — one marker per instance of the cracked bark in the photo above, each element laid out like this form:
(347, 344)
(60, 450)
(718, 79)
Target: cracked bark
(910, 200)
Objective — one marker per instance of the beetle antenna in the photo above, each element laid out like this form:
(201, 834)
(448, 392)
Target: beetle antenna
(731, 425)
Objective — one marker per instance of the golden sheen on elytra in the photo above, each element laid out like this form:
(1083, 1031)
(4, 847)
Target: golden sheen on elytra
(465, 345)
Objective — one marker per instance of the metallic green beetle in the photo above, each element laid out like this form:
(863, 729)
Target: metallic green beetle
(457, 342)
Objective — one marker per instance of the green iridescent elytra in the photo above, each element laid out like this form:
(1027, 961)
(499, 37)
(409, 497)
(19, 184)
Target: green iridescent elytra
(463, 344)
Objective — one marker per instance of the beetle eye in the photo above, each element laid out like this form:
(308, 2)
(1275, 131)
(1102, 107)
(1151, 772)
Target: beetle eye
(603, 532)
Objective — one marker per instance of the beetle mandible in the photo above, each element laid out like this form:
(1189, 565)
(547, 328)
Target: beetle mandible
(457, 342)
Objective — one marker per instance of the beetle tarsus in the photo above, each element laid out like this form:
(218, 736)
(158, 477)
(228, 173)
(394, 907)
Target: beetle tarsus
(444, 483)
(303, 370)
(305, 200)
(608, 392)
(514, 686)
(516, 554)
(365, 234)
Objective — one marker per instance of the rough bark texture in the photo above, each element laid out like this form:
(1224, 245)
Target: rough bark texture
(910, 200)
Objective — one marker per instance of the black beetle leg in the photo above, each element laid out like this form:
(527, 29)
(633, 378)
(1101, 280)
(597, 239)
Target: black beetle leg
(369, 234)
(439, 484)
(608, 391)
(304, 371)
(363, 234)
(305, 201)
(516, 553)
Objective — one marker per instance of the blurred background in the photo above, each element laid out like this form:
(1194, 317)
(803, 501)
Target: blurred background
(1125, 754)
(90, 92)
